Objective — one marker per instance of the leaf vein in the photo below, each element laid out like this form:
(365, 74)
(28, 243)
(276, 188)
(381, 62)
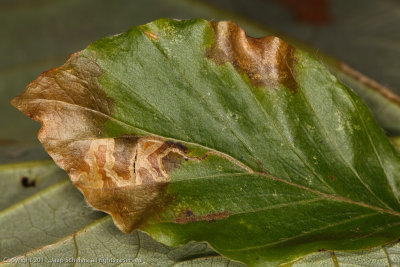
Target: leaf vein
(305, 233)
(236, 134)
(307, 102)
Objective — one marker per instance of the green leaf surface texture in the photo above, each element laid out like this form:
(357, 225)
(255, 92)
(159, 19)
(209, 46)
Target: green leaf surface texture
(191, 130)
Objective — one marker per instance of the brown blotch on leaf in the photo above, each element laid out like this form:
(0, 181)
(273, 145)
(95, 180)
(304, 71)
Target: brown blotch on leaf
(124, 176)
(71, 106)
(333, 178)
(127, 177)
(172, 161)
(188, 216)
(151, 35)
(26, 182)
(321, 250)
(267, 61)
(130, 206)
(77, 81)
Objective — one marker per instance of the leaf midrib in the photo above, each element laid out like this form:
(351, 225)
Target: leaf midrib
(248, 148)
(243, 142)
(237, 162)
(183, 77)
(230, 158)
(210, 104)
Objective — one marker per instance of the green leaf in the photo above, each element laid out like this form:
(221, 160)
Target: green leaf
(190, 130)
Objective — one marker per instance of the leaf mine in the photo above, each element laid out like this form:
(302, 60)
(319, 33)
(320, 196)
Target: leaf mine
(124, 176)
(267, 61)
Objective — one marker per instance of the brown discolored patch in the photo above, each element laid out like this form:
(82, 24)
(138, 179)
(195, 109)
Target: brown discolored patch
(188, 216)
(172, 161)
(123, 150)
(130, 206)
(77, 81)
(151, 35)
(333, 178)
(145, 176)
(124, 176)
(267, 61)
(26, 182)
(71, 106)
(128, 177)
(321, 250)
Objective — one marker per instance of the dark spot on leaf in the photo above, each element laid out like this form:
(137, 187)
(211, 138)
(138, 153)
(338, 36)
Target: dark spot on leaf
(189, 213)
(257, 258)
(134, 164)
(234, 116)
(321, 250)
(333, 178)
(25, 182)
(177, 145)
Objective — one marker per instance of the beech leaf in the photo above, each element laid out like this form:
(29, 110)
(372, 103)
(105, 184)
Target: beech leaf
(191, 130)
